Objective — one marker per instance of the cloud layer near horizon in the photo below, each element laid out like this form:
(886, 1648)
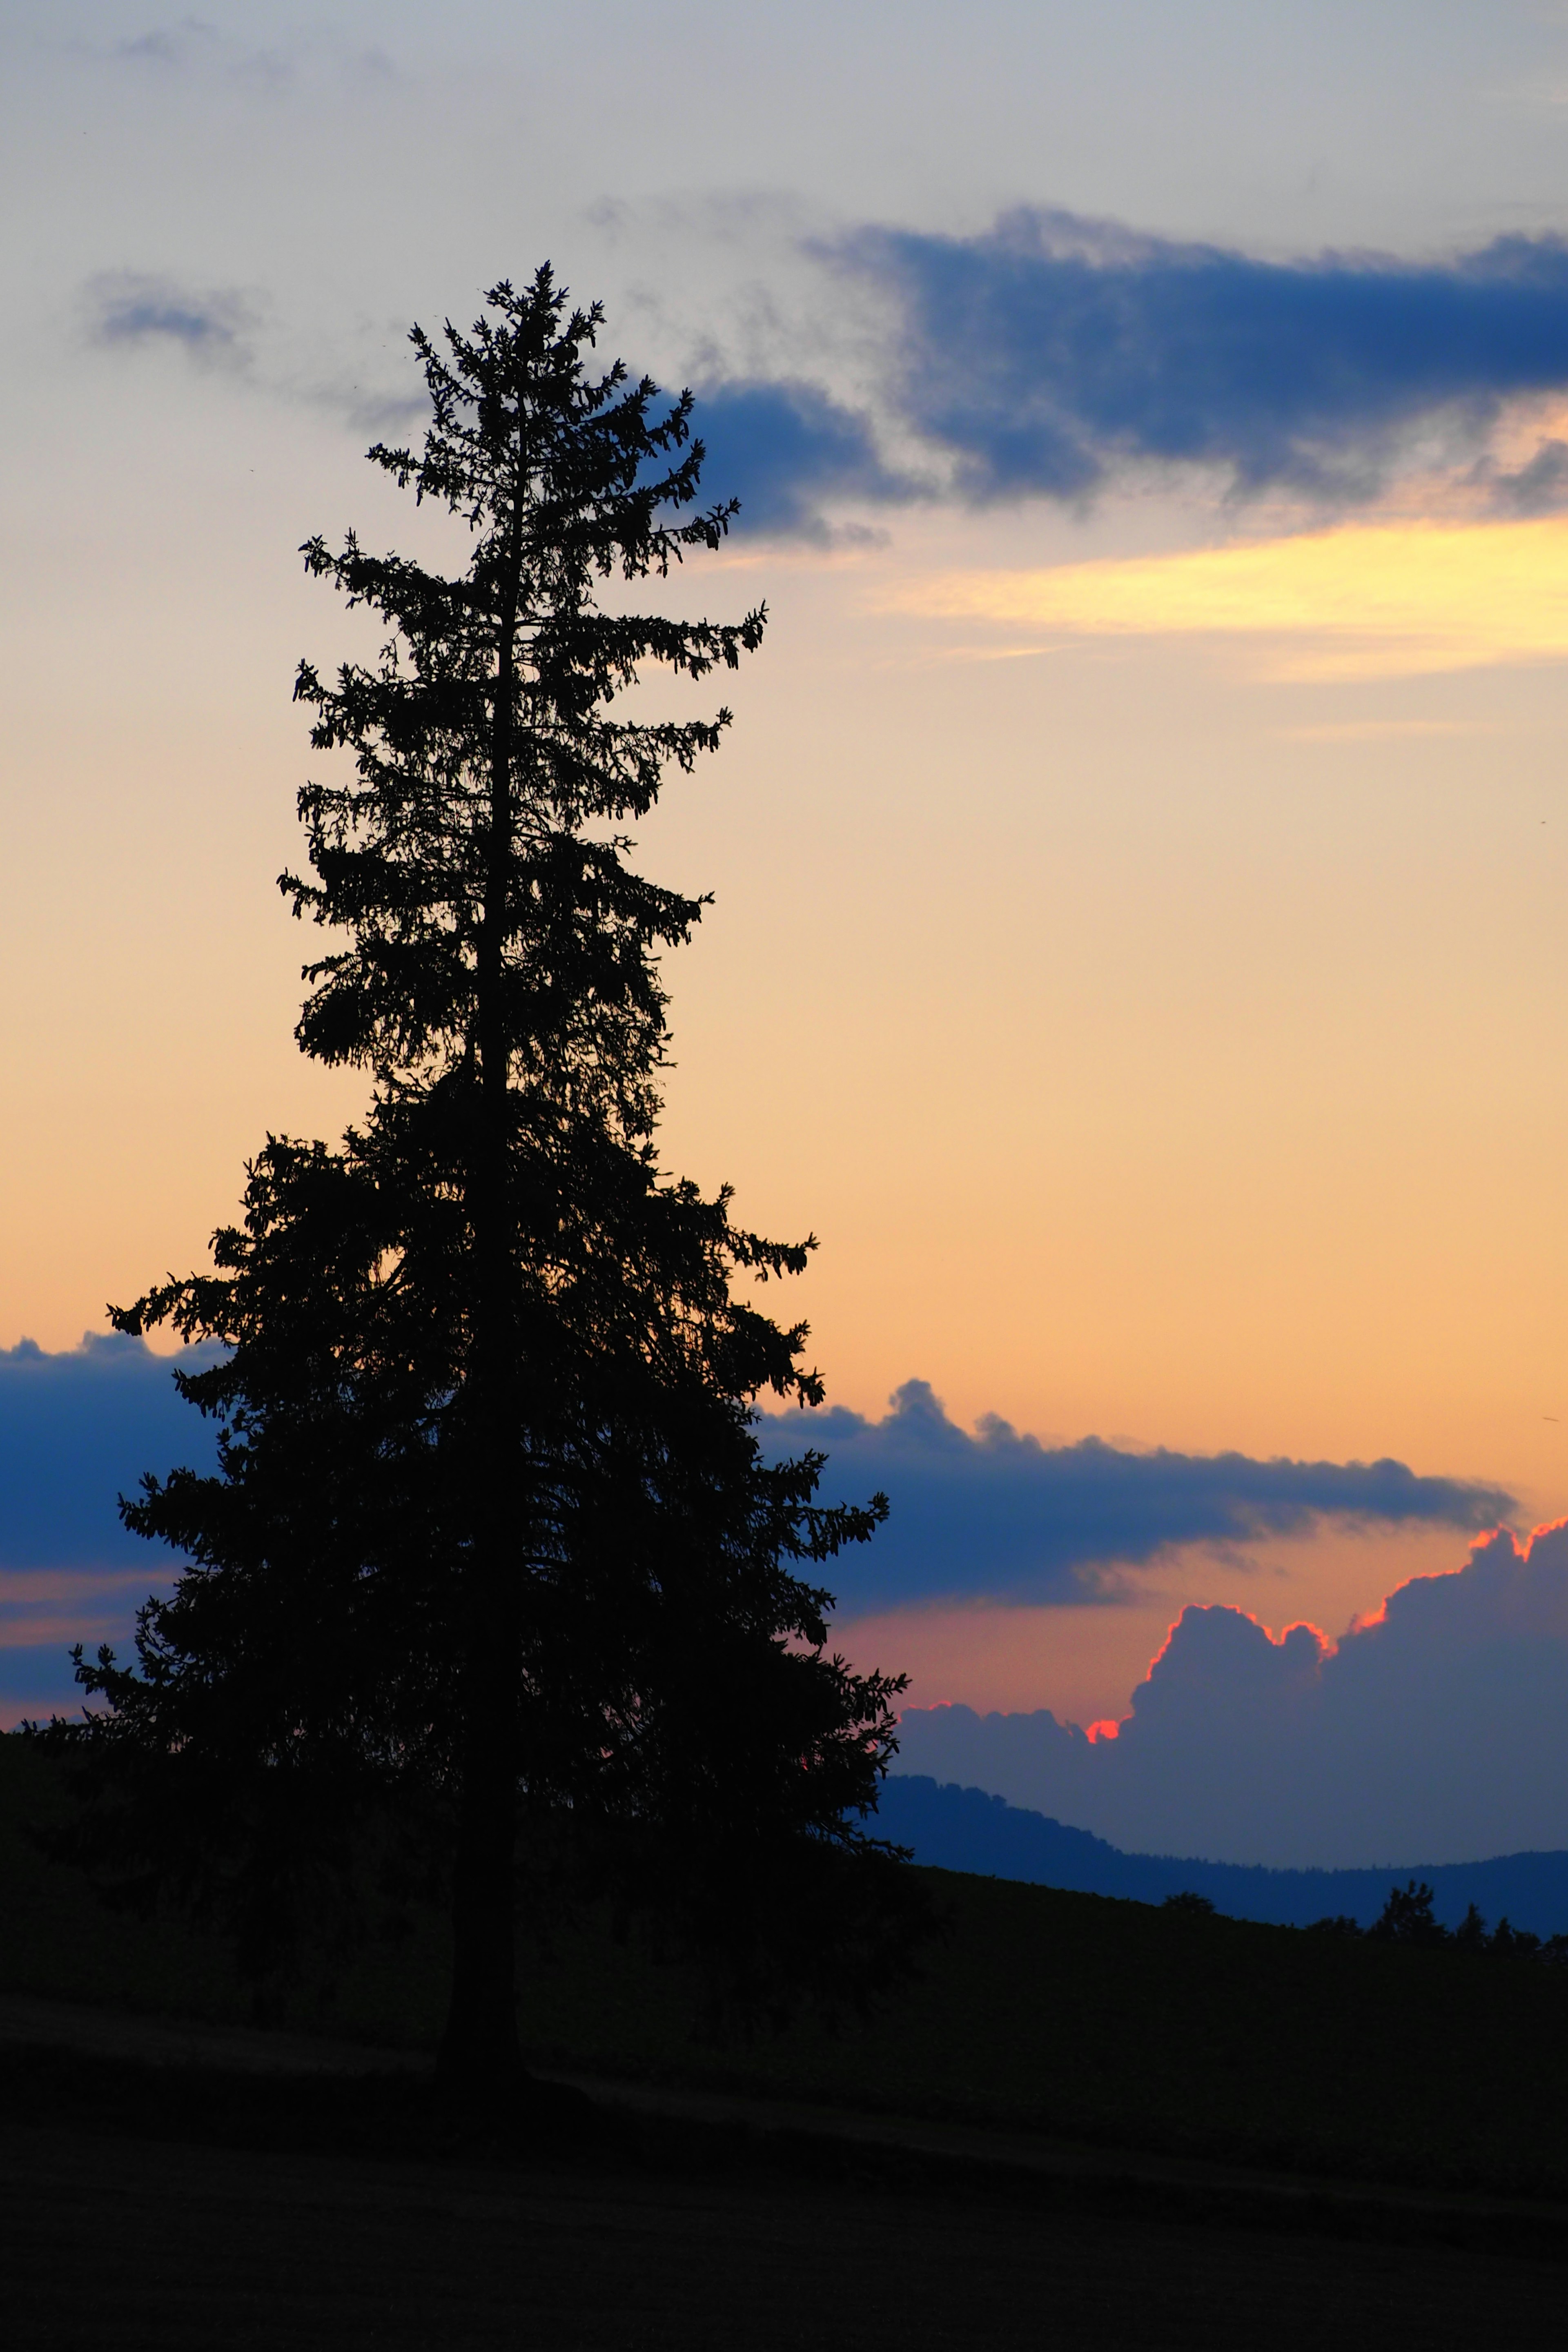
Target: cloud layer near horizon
(999, 1515)
(78, 1429)
(989, 1516)
(1436, 1731)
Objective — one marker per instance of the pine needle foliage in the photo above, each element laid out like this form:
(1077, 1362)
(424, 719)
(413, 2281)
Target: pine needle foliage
(491, 1546)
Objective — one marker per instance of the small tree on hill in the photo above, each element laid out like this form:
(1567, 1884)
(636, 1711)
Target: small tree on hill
(1408, 1916)
(490, 1529)
(1470, 1935)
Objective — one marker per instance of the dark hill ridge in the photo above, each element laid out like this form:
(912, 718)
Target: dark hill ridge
(964, 1829)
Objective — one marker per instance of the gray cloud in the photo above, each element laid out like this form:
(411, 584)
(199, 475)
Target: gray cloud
(787, 450)
(1538, 487)
(1052, 350)
(1051, 354)
(169, 45)
(1000, 1515)
(193, 46)
(127, 307)
(1439, 1731)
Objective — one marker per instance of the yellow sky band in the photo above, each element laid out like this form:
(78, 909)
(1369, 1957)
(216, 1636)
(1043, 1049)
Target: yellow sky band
(1378, 600)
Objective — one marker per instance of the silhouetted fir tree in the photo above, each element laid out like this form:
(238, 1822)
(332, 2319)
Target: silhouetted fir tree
(1470, 1935)
(1506, 1942)
(1408, 1917)
(491, 1537)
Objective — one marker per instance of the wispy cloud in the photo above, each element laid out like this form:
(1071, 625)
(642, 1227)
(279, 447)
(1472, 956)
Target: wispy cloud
(129, 307)
(1053, 357)
(191, 45)
(1365, 600)
(169, 45)
(1385, 730)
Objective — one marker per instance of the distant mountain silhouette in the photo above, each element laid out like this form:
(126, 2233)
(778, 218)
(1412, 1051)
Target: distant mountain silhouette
(964, 1829)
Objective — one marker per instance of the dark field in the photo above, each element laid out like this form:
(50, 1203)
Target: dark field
(1075, 2014)
(110, 2241)
(154, 2206)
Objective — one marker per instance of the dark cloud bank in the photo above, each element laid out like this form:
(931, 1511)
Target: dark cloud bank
(787, 450)
(1001, 1517)
(78, 1429)
(1439, 1730)
(1443, 1730)
(993, 1515)
(1051, 353)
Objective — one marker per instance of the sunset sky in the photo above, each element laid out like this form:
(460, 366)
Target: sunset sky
(1140, 948)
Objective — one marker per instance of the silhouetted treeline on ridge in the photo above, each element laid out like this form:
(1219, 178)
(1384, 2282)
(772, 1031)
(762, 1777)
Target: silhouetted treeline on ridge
(1408, 1917)
(965, 1828)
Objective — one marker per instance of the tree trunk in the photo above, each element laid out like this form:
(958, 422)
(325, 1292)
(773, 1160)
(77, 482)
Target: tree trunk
(479, 2053)
(479, 2056)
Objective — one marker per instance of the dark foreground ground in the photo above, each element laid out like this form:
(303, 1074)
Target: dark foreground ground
(165, 2205)
(128, 2244)
(1083, 2121)
(1112, 2023)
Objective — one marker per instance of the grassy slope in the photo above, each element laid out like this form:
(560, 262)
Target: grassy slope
(1073, 2013)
